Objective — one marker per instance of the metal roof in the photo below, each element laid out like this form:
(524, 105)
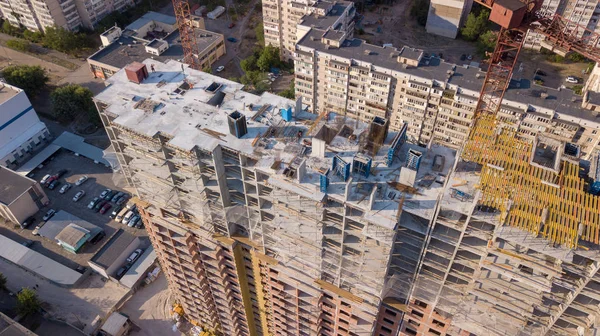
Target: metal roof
(107, 255)
(77, 144)
(37, 159)
(10, 327)
(55, 225)
(72, 235)
(149, 17)
(139, 268)
(114, 323)
(12, 185)
(37, 263)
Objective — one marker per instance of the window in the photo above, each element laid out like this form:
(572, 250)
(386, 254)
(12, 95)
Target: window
(420, 304)
(439, 324)
(434, 332)
(388, 320)
(386, 329)
(410, 331)
(417, 313)
(390, 312)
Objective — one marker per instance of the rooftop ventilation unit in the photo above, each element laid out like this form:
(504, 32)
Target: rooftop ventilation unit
(136, 72)
(414, 159)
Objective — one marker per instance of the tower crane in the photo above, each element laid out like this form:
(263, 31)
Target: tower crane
(186, 33)
(515, 19)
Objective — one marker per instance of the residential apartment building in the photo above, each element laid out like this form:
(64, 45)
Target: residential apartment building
(21, 131)
(436, 99)
(281, 17)
(153, 35)
(267, 221)
(37, 15)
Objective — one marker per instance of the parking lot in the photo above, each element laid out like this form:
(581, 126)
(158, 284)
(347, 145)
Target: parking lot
(99, 179)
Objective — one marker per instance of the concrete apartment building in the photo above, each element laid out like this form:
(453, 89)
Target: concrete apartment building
(281, 17)
(21, 131)
(154, 35)
(20, 196)
(436, 99)
(267, 221)
(37, 15)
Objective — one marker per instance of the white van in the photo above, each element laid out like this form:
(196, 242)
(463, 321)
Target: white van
(127, 217)
(121, 214)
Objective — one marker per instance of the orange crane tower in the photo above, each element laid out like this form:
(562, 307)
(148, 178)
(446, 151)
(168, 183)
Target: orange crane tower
(186, 33)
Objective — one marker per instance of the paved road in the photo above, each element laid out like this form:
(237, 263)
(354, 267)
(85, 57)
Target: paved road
(149, 309)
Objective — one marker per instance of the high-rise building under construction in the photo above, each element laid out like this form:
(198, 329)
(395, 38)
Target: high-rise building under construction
(269, 221)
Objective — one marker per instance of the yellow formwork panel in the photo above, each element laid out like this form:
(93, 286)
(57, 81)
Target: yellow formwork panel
(507, 177)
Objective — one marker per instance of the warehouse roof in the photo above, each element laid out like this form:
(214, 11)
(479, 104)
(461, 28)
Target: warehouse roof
(113, 248)
(12, 185)
(139, 268)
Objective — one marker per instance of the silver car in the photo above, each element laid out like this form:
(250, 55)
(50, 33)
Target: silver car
(64, 188)
(78, 196)
(81, 180)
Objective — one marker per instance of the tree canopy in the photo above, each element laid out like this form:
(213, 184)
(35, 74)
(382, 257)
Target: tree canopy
(27, 302)
(260, 33)
(419, 11)
(269, 57)
(486, 42)
(60, 39)
(31, 78)
(68, 102)
(475, 25)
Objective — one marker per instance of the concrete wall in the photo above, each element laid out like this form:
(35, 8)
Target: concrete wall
(25, 206)
(446, 16)
(9, 110)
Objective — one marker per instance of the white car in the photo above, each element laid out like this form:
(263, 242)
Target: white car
(220, 68)
(572, 80)
(78, 196)
(64, 188)
(45, 179)
(49, 214)
(81, 180)
(135, 255)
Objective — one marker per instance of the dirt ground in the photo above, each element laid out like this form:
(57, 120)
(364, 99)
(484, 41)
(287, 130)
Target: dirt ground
(150, 310)
(401, 29)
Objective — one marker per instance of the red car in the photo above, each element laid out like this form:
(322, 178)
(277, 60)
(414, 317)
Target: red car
(51, 179)
(231, 25)
(105, 208)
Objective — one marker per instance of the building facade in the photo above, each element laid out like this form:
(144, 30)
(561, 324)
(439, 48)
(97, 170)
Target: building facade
(436, 99)
(446, 17)
(37, 15)
(20, 196)
(21, 131)
(281, 17)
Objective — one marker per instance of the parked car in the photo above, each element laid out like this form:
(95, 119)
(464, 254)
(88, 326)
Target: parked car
(232, 39)
(220, 68)
(27, 243)
(122, 200)
(139, 224)
(470, 57)
(110, 195)
(463, 57)
(127, 217)
(36, 231)
(134, 256)
(98, 237)
(572, 80)
(64, 188)
(49, 214)
(541, 73)
(133, 220)
(81, 269)
(81, 180)
(231, 25)
(104, 193)
(51, 179)
(45, 179)
(27, 222)
(93, 202)
(115, 211)
(61, 173)
(131, 206)
(116, 197)
(53, 184)
(99, 205)
(121, 272)
(78, 196)
(105, 208)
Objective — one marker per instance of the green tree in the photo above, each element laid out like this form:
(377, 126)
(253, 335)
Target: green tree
(68, 102)
(289, 93)
(269, 57)
(30, 78)
(486, 42)
(60, 39)
(260, 33)
(2, 282)
(249, 63)
(475, 25)
(576, 57)
(27, 302)
(33, 36)
(18, 45)
(207, 69)
(9, 29)
(419, 11)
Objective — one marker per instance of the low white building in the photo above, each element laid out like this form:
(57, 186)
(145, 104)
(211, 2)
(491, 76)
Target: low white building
(21, 131)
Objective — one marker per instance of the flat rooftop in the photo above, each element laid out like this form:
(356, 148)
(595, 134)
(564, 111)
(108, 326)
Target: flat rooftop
(149, 17)
(195, 113)
(7, 92)
(12, 185)
(62, 219)
(113, 248)
(328, 20)
(564, 101)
